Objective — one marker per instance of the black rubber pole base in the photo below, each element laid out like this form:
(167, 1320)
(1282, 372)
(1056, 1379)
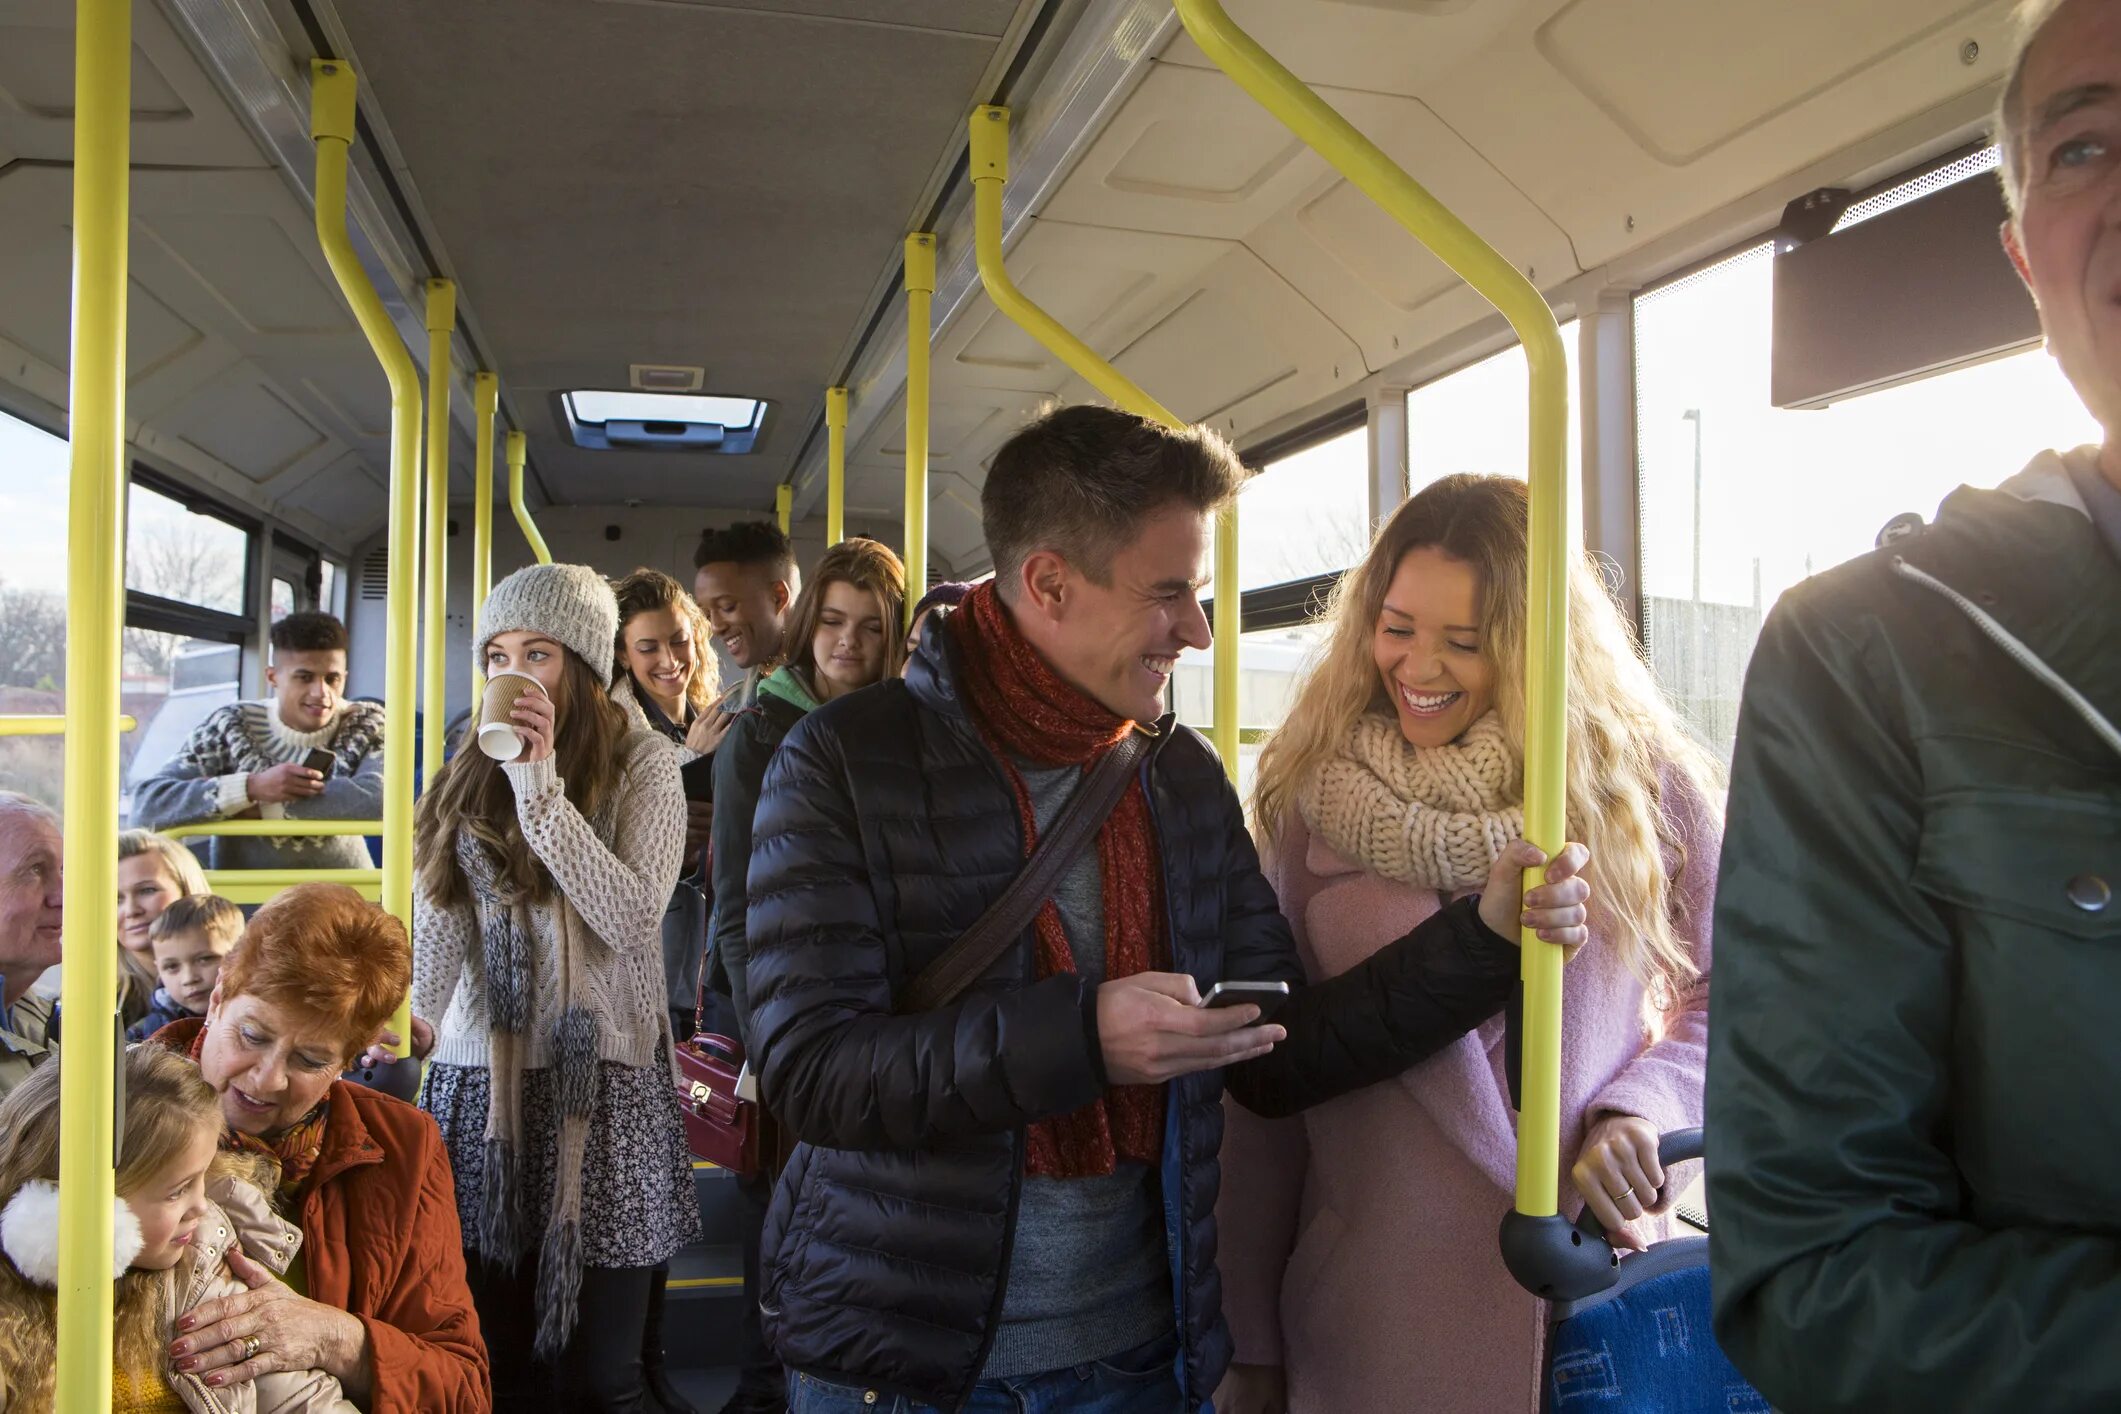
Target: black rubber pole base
(1551, 1258)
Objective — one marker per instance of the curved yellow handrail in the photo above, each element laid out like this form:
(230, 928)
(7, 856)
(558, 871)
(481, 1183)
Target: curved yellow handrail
(835, 465)
(990, 175)
(920, 319)
(518, 453)
(434, 574)
(332, 97)
(103, 51)
(485, 402)
(783, 506)
(41, 724)
(272, 829)
(1546, 661)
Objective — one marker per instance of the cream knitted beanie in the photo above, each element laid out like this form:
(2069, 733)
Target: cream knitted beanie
(572, 603)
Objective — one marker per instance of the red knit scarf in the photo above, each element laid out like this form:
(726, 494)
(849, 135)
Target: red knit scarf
(1025, 711)
(296, 1149)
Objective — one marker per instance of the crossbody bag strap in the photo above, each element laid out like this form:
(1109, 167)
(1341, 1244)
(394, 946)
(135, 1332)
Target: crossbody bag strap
(1081, 817)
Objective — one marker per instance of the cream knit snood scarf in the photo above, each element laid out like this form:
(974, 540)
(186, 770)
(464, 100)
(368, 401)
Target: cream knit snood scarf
(1433, 817)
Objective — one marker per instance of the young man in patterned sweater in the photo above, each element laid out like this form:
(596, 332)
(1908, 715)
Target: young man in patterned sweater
(246, 761)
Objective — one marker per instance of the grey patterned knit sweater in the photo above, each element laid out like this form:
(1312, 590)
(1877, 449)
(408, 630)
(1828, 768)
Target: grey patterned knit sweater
(208, 780)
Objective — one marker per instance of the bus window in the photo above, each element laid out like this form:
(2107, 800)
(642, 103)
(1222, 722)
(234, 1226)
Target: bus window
(33, 493)
(1474, 419)
(1741, 500)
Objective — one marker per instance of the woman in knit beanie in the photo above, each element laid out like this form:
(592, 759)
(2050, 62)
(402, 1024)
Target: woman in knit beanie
(537, 941)
(1389, 789)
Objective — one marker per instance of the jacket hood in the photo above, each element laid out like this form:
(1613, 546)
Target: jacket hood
(2048, 478)
(788, 685)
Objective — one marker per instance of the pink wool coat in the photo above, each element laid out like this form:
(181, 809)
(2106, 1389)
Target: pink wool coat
(1358, 1242)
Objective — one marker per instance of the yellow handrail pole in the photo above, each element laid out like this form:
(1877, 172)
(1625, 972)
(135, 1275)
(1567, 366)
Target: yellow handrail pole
(1546, 650)
(37, 724)
(783, 505)
(273, 829)
(920, 303)
(518, 452)
(835, 465)
(485, 403)
(441, 323)
(333, 92)
(103, 58)
(990, 176)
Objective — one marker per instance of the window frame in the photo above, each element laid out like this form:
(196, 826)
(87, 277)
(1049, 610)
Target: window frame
(163, 615)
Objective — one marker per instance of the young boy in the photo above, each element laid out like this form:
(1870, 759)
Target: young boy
(190, 939)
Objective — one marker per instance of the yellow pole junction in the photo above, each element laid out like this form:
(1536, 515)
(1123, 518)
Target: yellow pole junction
(95, 583)
(835, 465)
(920, 318)
(1546, 653)
(518, 452)
(333, 93)
(441, 323)
(485, 403)
(990, 177)
(783, 505)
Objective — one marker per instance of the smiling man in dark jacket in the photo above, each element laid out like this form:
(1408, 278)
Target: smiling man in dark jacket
(1918, 955)
(1013, 1194)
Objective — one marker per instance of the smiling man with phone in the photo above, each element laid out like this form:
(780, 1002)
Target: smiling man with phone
(987, 904)
(303, 752)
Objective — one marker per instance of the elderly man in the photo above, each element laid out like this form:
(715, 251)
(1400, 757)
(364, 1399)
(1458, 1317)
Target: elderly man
(1918, 953)
(29, 931)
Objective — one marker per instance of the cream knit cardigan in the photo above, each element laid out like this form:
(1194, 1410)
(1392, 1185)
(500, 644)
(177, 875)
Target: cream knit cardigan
(617, 870)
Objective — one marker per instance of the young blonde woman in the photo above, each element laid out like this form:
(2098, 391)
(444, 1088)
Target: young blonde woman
(154, 871)
(1359, 1260)
(843, 635)
(537, 939)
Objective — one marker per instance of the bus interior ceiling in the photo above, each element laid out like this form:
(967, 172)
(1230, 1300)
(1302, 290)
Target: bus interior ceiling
(725, 187)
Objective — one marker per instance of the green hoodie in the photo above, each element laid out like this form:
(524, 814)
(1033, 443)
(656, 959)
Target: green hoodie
(788, 685)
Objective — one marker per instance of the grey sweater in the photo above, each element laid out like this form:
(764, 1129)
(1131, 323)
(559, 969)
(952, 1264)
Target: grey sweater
(208, 780)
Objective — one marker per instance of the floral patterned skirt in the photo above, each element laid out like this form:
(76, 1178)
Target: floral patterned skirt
(638, 1202)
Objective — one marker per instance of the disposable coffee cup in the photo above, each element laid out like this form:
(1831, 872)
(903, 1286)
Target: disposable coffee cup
(498, 736)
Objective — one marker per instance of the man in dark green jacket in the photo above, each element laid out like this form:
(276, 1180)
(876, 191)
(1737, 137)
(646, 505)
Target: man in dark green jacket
(1915, 1162)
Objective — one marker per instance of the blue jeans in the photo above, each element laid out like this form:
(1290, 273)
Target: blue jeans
(1143, 1380)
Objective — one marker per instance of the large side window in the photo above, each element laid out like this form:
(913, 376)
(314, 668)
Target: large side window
(1304, 519)
(33, 496)
(1741, 500)
(187, 617)
(1477, 419)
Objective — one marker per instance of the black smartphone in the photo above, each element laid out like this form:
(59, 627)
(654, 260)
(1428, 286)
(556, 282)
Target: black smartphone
(698, 776)
(1267, 996)
(322, 762)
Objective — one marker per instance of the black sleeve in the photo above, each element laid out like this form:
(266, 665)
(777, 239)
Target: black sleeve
(1403, 1004)
(739, 764)
(839, 1067)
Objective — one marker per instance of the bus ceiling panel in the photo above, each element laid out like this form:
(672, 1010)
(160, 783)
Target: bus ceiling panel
(1189, 154)
(1361, 267)
(178, 118)
(1627, 119)
(977, 17)
(963, 429)
(659, 478)
(1240, 350)
(1095, 65)
(1105, 286)
(675, 183)
(1378, 46)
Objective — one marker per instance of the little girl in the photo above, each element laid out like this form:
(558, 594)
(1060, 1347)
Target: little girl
(182, 1204)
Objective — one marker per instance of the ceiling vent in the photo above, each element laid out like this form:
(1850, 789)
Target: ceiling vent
(668, 377)
(670, 422)
(375, 575)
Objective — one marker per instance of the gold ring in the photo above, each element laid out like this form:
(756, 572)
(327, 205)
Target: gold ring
(251, 1346)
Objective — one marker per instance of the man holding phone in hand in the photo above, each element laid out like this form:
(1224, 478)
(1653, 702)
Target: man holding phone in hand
(303, 752)
(1005, 1193)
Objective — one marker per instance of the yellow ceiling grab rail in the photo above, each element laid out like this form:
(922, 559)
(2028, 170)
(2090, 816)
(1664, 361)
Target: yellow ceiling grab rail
(990, 176)
(441, 323)
(333, 94)
(835, 465)
(518, 453)
(43, 724)
(103, 53)
(1546, 669)
(920, 319)
(485, 402)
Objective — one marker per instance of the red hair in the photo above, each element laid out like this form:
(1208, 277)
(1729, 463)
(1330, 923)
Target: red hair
(327, 954)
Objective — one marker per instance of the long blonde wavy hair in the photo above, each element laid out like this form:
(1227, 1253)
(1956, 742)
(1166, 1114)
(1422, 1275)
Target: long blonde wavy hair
(167, 1104)
(1626, 744)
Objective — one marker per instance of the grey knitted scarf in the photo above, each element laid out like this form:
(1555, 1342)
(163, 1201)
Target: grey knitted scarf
(511, 986)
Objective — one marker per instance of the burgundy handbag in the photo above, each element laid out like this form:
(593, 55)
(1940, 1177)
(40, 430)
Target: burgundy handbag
(719, 1127)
